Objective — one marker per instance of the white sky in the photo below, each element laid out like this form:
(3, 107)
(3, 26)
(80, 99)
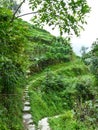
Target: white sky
(86, 37)
(90, 34)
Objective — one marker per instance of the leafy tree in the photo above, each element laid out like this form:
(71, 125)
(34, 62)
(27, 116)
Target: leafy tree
(10, 4)
(12, 46)
(83, 50)
(94, 59)
(95, 48)
(67, 15)
(45, 54)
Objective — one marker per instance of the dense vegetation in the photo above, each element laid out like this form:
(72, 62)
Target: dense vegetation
(65, 90)
(12, 70)
(18, 42)
(60, 83)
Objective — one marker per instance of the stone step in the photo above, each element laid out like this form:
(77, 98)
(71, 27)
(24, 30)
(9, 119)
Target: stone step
(25, 98)
(26, 108)
(28, 121)
(25, 92)
(27, 103)
(43, 124)
(31, 127)
(27, 87)
(27, 116)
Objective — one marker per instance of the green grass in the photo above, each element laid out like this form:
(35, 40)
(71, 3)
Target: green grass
(38, 34)
(73, 68)
(66, 121)
(43, 106)
(39, 107)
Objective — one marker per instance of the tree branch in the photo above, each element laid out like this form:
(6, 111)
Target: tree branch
(27, 14)
(16, 11)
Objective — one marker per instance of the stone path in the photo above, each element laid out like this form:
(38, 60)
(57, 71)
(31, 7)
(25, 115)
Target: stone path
(43, 124)
(27, 117)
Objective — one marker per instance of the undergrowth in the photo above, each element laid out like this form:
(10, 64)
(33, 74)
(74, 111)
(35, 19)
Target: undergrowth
(58, 90)
(11, 111)
(66, 121)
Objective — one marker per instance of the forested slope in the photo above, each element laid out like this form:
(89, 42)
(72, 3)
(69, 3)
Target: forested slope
(62, 84)
(23, 51)
(59, 81)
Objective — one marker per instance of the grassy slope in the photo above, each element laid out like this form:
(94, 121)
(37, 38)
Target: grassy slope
(36, 34)
(51, 104)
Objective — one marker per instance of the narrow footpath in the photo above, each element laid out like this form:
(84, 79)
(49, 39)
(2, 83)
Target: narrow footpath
(27, 117)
